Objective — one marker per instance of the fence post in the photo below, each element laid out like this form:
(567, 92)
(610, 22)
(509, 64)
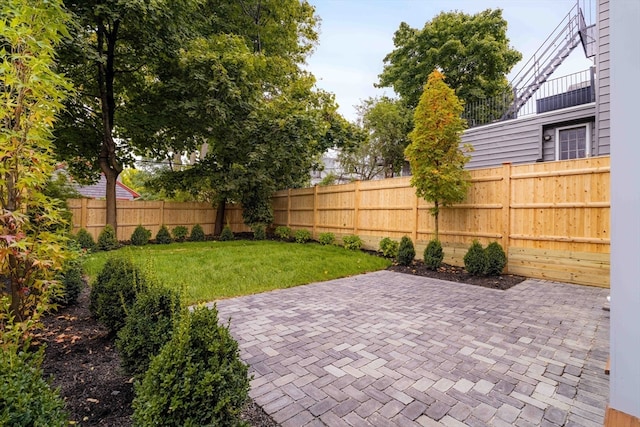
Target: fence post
(315, 210)
(289, 207)
(161, 213)
(416, 220)
(356, 208)
(506, 210)
(83, 213)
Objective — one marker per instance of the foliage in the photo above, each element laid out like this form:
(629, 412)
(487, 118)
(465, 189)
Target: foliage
(329, 179)
(302, 236)
(71, 278)
(437, 162)
(475, 260)
(163, 236)
(327, 238)
(140, 236)
(352, 242)
(433, 254)
(389, 247)
(107, 240)
(148, 327)
(259, 232)
(226, 234)
(32, 247)
(26, 399)
(496, 259)
(227, 269)
(180, 233)
(283, 232)
(406, 251)
(197, 379)
(385, 123)
(114, 291)
(473, 51)
(197, 234)
(85, 240)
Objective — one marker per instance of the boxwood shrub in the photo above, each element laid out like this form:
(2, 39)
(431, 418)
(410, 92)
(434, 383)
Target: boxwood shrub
(496, 259)
(180, 233)
(140, 236)
(85, 240)
(388, 247)
(302, 236)
(433, 255)
(475, 260)
(352, 242)
(72, 281)
(406, 251)
(197, 378)
(163, 236)
(107, 240)
(327, 238)
(283, 232)
(226, 234)
(197, 234)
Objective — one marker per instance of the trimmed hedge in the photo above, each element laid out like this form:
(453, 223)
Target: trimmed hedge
(406, 251)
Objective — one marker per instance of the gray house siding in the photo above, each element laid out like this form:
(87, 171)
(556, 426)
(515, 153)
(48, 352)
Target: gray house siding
(603, 78)
(522, 140)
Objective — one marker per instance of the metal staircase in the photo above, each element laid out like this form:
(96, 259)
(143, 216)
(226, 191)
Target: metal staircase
(555, 49)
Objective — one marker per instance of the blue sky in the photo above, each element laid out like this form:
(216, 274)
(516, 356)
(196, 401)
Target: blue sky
(356, 35)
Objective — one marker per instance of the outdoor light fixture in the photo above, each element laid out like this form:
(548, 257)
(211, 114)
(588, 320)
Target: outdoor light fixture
(547, 137)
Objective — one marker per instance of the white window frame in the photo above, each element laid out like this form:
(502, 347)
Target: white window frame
(587, 148)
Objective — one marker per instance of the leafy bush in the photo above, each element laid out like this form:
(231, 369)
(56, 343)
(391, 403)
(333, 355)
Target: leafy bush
(107, 239)
(389, 247)
(352, 242)
(197, 379)
(114, 292)
(197, 234)
(406, 251)
(475, 260)
(140, 236)
(302, 235)
(163, 236)
(85, 240)
(283, 232)
(226, 234)
(433, 254)
(26, 399)
(148, 327)
(259, 232)
(72, 282)
(496, 259)
(327, 238)
(180, 233)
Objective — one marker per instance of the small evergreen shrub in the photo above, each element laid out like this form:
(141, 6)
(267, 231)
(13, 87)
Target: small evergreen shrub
(389, 247)
(197, 234)
(197, 378)
(140, 236)
(226, 234)
(26, 399)
(433, 255)
(107, 240)
(302, 235)
(259, 232)
(114, 292)
(283, 232)
(327, 238)
(475, 260)
(72, 282)
(148, 327)
(85, 240)
(406, 251)
(180, 233)
(496, 259)
(163, 236)
(352, 242)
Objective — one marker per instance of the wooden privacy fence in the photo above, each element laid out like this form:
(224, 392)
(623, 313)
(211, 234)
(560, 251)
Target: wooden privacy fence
(551, 218)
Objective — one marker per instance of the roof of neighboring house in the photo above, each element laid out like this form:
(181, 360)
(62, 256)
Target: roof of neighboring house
(99, 190)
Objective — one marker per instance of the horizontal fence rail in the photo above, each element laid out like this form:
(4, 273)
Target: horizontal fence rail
(552, 218)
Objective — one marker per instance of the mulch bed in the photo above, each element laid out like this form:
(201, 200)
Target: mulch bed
(82, 360)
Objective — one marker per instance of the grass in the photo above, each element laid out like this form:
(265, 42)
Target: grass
(206, 271)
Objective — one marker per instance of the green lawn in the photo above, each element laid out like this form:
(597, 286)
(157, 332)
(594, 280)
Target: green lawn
(205, 271)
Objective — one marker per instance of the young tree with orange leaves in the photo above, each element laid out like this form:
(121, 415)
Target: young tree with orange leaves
(436, 157)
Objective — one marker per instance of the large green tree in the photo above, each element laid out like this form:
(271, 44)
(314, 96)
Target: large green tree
(31, 94)
(437, 161)
(385, 123)
(473, 51)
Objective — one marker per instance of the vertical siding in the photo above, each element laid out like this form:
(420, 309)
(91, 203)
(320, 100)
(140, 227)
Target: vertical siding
(520, 141)
(603, 80)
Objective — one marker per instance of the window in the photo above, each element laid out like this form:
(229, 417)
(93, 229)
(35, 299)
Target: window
(573, 142)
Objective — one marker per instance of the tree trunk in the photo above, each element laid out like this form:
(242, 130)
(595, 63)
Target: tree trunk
(220, 217)
(111, 177)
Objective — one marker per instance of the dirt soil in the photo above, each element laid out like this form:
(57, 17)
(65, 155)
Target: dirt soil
(83, 362)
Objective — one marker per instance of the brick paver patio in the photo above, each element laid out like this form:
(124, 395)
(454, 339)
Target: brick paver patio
(389, 349)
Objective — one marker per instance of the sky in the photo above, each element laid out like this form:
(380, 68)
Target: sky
(356, 35)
